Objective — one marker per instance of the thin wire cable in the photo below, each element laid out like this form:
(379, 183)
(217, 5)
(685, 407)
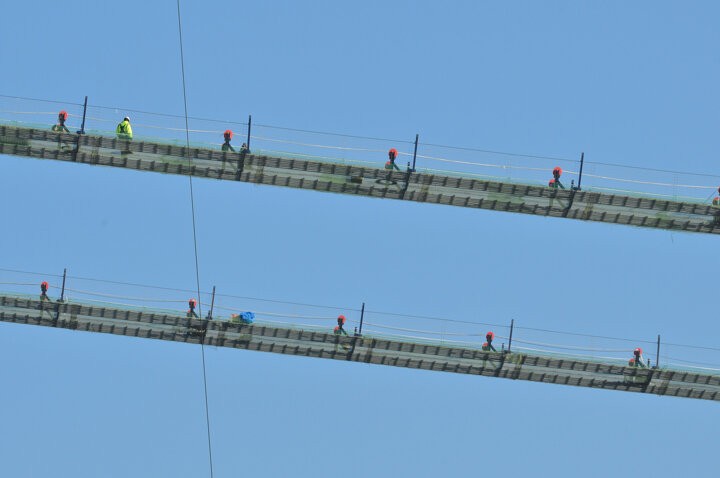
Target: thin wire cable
(192, 206)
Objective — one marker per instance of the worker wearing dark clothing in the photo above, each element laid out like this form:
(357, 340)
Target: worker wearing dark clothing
(43, 291)
(226, 145)
(244, 149)
(488, 346)
(555, 181)
(191, 311)
(339, 330)
(392, 155)
(637, 360)
(60, 126)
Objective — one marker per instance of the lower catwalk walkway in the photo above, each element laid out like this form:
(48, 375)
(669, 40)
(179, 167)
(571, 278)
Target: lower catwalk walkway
(454, 190)
(366, 349)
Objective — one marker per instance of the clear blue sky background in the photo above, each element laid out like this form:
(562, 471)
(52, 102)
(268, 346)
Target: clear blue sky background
(627, 82)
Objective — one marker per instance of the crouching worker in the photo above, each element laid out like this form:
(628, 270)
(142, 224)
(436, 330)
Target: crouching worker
(637, 360)
(124, 131)
(488, 346)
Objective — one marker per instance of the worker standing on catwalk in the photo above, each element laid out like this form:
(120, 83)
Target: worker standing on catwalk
(555, 181)
(392, 155)
(338, 330)
(191, 314)
(226, 145)
(43, 291)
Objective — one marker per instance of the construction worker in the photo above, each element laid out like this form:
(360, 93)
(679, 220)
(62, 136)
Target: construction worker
(124, 130)
(555, 181)
(228, 134)
(488, 346)
(716, 200)
(192, 303)
(43, 291)
(60, 126)
(637, 360)
(244, 149)
(338, 330)
(392, 155)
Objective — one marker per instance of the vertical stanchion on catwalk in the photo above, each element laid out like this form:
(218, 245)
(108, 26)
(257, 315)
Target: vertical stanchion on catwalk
(362, 316)
(417, 136)
(249, 127)
(582, 161)
(512, 326)
(212, 304)
(657, 354)
(62, 290)
(82, 126)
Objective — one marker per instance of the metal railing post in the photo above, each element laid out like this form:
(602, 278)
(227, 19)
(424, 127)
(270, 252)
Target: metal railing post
(249, 127)
(582, 161)
(512, 326)
(82, 127)
(212, 305)
(417, 137)
(362, 317)
(62, 291)
(657, 353)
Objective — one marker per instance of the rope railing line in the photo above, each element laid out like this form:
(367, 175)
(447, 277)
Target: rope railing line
(646, 193)
(668, 359)
(32, 284)
(70, 299)
(42, 274)
(650, 183)
(551, 352)
(54, 113)
(585, 335)
(670, 344)
(504, 153)
(430, 332)
(440, 319)
(139, 299)
(425, 339)
(41, 100)
(312, 145)
(572, 347)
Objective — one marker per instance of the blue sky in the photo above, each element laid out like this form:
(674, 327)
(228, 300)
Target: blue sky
(630, 84)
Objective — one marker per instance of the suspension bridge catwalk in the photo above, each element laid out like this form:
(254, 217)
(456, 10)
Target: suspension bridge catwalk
(365, 349)
(454, 190)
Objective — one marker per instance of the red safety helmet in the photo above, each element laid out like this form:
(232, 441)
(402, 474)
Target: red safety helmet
(631, 362)
(551, 183)
(638, 351)
(228, 134)
(392, 154)
(63, 115)
(485, 344)
(341, 319)
(490, 336)
(44, 286)
(557, 171)
(192, 303)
